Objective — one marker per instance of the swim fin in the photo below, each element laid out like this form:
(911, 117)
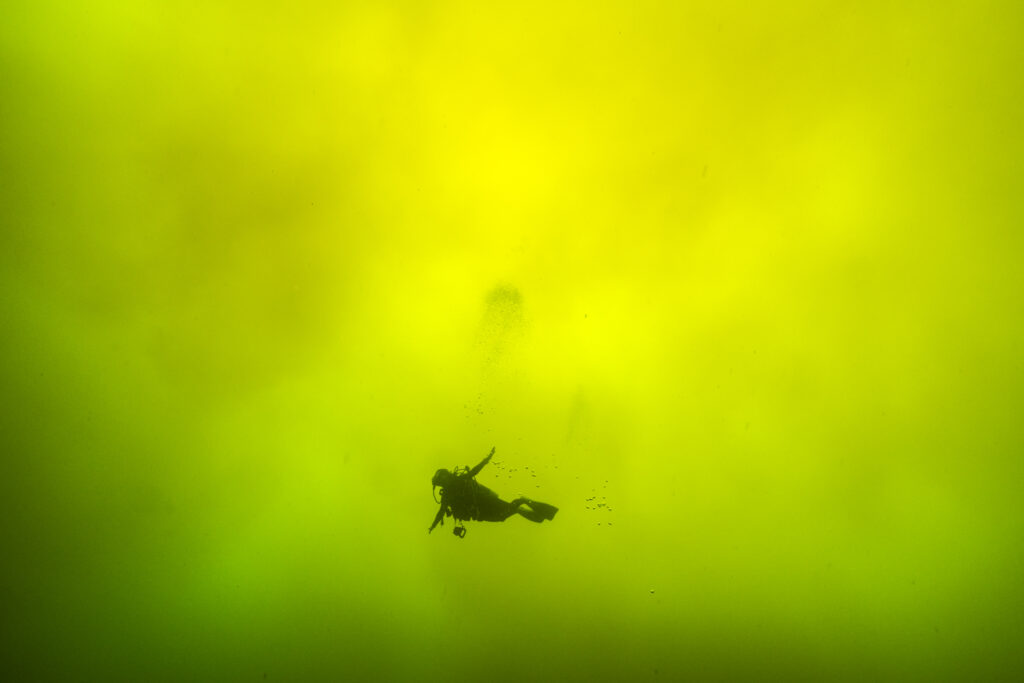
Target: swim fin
(544, 510)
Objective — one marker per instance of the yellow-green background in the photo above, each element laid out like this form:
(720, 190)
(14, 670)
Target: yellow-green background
(264, 267)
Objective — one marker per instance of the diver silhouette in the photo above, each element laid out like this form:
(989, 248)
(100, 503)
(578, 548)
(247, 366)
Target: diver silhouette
(462, 497)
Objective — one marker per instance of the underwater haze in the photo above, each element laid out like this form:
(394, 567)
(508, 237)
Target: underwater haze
(735, 285)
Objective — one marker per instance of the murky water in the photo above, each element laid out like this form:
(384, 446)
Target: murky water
(737, 288)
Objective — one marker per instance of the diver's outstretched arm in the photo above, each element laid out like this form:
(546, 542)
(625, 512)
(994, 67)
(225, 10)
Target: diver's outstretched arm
(476, 470)
(439, 518)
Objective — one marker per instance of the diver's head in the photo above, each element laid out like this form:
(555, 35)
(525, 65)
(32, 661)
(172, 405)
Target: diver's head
(441, 477)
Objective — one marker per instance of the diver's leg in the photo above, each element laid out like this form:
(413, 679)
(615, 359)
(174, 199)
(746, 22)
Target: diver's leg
(496, 510)
(534, 511)
(519, 505)
(524, 506)
(530, 514)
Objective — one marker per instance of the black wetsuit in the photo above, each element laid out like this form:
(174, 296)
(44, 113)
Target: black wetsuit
(466, 498)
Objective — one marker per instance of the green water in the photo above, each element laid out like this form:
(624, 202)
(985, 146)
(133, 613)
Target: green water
(746, 274)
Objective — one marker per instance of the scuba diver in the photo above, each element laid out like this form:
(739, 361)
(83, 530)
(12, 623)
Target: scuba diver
(462, 497)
